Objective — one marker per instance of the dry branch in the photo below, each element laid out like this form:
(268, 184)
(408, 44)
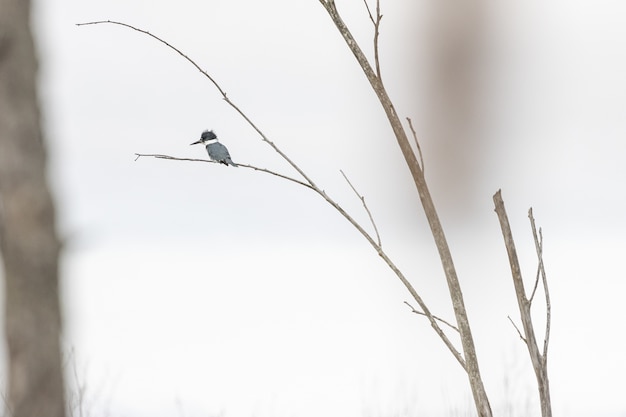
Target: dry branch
(469, 362)
(447, 323)
(309, 184)
(469, 350)
(417, 143)
(369, 213)
(539, 360)
(267, 171)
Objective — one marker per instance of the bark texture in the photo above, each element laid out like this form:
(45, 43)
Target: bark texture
(28, 240)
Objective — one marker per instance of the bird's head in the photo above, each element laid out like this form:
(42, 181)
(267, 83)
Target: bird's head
(206, 136)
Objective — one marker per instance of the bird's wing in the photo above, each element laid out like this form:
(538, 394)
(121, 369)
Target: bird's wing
(218, 152)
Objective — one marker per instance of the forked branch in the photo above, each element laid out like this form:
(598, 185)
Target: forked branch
(456, 295)
(538, 238)
(267, 171)
(369, 214)
(417, 143)
(538, 359)
(376, 22)
(308, 182)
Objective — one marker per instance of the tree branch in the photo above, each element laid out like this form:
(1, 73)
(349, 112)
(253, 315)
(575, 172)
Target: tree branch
(310, 185)
(417, 143)
(376, 23)
(456, 295)
(217, 86)
(536, 358)
(516, 328)
(436, 318)
(538, 238)
(174, 158)
(364, 206)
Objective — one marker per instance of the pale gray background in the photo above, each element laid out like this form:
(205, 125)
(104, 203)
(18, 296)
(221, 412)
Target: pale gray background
(194, 289)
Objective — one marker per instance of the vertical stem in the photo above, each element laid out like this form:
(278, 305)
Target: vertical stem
(478, 390)
(538, 361)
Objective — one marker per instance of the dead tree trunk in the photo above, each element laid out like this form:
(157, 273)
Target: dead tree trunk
(28, 239)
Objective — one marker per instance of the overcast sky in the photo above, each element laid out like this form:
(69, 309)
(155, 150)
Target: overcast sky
(196, 289)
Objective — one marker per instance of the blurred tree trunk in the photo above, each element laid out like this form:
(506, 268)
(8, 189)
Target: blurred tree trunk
(28, 240)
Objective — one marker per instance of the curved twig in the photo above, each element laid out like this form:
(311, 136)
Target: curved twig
(369, 214)
(538, 238)
(376, 23)
(516, 328)
(433, 322)
(417, 143)
(413, 310)
(267, 171)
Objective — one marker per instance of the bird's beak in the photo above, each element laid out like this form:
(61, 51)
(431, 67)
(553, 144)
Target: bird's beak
(195, 143)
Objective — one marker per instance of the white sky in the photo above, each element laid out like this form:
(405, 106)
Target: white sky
(201, 290)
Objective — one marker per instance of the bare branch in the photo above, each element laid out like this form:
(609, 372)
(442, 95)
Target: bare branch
(538, 238)
(536, 357)
(516, 328)
(436, 318)
(456, 294)
(191, 61)
(376, 23)
(417, 143)
(369, 12)
(536, 285)
(365, 206)
(159, 156)
(217, 86)
(472, 370)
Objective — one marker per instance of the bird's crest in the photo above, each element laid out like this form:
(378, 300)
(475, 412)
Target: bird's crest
(208, 135)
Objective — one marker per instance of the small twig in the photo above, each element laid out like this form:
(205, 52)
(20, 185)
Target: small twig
(435, 317)
(417, 143)
(367, 6)
(217, 86)
(538, 238)
(376, 23)
(537, 275)
(516, 328)
(145, 32)
(365, 206)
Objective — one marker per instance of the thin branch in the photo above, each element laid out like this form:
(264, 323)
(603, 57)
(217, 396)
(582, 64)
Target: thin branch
(537, 359)
(379, 89)
(174, 158)
(456, 295)
(365, 206)
(538, 238)
(516, 328)
(217, 86)
(436, 318)
(536, 285)
(369, 12)
(145, 32)
(417, 143)
(376, 23)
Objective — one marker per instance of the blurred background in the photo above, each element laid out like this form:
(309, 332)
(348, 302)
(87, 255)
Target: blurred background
(194, 289)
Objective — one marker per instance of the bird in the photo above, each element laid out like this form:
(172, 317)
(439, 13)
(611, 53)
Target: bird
(217, 151)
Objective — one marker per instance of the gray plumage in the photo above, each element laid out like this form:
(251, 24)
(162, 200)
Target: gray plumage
(217, 151)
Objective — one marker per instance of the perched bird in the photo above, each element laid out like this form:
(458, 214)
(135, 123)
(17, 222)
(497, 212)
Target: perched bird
(217, 151)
